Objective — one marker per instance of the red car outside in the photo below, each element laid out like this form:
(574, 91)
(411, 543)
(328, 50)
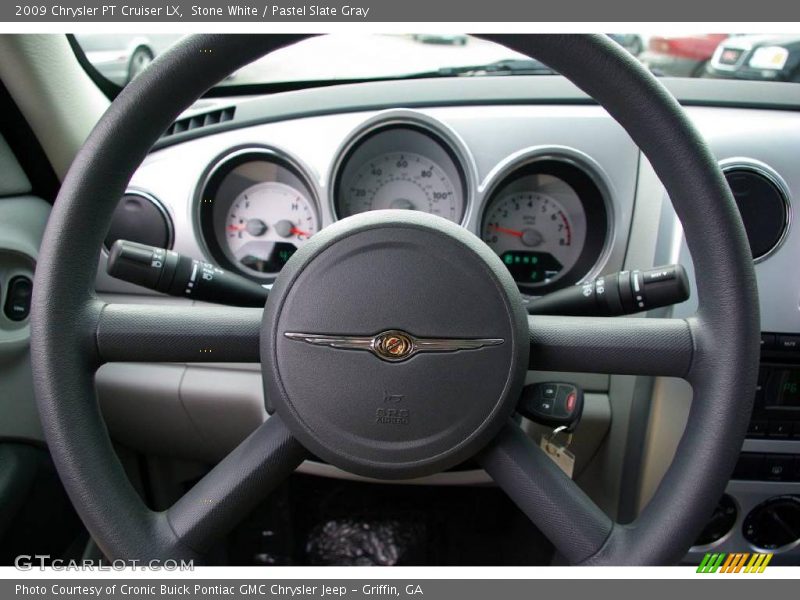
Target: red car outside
(681, 56)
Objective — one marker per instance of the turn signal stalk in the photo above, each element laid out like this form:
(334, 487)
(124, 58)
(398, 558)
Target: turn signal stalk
(622, 293)
(177, 275)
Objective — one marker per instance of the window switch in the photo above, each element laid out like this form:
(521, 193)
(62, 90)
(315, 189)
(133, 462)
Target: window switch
(18, 298)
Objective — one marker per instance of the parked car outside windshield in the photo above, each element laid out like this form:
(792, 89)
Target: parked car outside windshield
(757, 58)
(120, 58)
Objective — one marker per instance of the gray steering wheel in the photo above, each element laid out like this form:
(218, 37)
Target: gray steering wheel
(373, 273)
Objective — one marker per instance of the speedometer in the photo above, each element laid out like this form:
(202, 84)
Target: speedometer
(401, 180)
(401, 166)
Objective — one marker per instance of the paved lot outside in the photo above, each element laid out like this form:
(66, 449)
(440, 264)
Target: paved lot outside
(344, 56)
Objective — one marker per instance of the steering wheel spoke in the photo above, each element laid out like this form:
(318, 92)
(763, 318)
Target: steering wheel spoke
(232, 488)
(169, 333)
(614, 345)
(557, 506)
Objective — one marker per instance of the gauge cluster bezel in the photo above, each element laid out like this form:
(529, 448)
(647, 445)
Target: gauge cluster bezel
(594, 196)
(215, 174)
(323, 191)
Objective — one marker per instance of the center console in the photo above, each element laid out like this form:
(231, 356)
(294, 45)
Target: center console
(760, 511)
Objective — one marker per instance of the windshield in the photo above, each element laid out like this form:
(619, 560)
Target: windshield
(121, 58)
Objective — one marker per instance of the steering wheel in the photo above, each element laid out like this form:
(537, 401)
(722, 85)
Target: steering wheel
(394, 344)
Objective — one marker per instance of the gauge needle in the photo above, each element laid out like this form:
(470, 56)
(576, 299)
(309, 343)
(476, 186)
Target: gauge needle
(236, 227)
(513, 232)
(296, 231)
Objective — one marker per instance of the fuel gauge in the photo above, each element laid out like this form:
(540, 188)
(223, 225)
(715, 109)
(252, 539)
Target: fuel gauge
(256, 208)
(266, 224)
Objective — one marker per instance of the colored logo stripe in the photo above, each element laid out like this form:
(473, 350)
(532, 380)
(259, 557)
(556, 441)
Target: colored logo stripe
(734, 563)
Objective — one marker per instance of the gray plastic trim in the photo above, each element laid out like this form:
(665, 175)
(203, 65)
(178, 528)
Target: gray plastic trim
(13, 180)
(22, 223)
(507, 91)
(37, 69)
(760, 139)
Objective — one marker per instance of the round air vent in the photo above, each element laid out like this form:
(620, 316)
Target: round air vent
(763, 202)
(720, 523)
(141, 218)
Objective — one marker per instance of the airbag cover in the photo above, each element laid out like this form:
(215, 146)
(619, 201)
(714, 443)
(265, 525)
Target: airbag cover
(404, 404)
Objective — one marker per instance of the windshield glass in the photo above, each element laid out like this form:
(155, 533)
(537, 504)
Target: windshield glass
(121, 58)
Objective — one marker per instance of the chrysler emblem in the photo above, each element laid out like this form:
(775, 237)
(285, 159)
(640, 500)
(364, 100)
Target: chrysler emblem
(393, 345)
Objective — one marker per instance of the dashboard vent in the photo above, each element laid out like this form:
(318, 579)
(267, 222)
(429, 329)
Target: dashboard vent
(213, 117)
(763, 204)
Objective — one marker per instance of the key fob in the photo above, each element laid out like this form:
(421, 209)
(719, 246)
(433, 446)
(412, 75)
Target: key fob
(552, 404)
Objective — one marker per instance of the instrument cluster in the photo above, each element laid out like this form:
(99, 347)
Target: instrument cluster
(546, 215)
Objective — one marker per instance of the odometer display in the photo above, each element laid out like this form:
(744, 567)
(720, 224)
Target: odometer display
(533, 267)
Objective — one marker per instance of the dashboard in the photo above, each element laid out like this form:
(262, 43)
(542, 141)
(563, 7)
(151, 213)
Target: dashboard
(555, 201)
(545, 210)
(555, 187)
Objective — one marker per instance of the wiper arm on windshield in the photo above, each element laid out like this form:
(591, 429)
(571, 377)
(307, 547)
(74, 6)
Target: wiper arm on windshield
(510, 66)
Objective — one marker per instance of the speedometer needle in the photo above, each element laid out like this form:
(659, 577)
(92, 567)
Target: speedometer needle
(513, 232)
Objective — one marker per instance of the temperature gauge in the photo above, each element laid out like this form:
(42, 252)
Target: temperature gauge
(265, 225)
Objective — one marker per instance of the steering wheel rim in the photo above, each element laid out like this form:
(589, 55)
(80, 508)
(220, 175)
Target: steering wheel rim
(73, 333)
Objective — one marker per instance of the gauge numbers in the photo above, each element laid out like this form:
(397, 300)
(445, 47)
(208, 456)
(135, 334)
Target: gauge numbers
(265, 225)
(533, 235)
(401, 180)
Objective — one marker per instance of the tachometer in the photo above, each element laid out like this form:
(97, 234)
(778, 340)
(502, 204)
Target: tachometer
(533, 235)
(547, 221)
